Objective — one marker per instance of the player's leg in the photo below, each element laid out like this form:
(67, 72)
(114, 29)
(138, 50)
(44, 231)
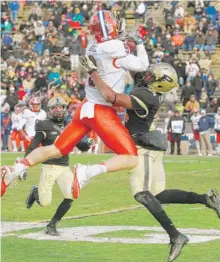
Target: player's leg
(178, 142)
(113, 133)
(64, 181)
(218, 142)
(173, 137)
(71, 135)
(196, 137)
(141, 181)
(13, 140)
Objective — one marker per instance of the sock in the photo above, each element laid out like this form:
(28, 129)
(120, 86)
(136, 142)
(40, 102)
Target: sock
(198, 147)
(155, 208)
(61, 211)
(218, 148)
(22, 146)
(19, 168)
(14, 145)
(175, 196)
(95, 170)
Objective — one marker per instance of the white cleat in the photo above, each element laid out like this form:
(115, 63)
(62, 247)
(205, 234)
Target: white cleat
(80, 179)
(6, 175)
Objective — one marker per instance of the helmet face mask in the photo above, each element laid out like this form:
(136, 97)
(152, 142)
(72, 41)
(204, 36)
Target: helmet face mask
(57, 109)
(35, 104)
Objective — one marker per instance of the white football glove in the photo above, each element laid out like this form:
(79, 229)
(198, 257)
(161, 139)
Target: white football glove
(88, 63)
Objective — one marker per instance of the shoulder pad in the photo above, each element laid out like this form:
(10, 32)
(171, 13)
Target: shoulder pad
(114, 48)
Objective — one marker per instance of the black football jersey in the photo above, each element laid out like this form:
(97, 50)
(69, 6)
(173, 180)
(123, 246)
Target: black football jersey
(145, 105)
(47, 132)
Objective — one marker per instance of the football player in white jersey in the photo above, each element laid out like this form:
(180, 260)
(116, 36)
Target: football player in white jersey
(195, 127)
(95, 113)
(16, 137)
(29, 116)
(217, 129)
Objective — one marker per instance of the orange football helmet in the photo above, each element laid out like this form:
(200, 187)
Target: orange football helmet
(103, 25)
(35, 104)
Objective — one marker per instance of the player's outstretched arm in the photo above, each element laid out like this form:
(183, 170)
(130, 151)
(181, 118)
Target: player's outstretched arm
(106, 91)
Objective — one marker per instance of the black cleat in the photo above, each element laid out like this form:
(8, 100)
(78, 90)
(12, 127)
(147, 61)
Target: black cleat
(177, 244)
(213, 201)
(31, 197)
(51, 230)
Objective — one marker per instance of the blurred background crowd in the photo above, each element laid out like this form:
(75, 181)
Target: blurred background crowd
(41, 42)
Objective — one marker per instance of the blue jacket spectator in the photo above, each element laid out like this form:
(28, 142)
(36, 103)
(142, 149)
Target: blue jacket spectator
(211, 12)
(205, 122)
(14, 7)
(7, 40)
(189, 42)
(54, 75)
(78, 17)
(39, 47)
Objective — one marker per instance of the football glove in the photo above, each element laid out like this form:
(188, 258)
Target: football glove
(136, 38)
(88, 63)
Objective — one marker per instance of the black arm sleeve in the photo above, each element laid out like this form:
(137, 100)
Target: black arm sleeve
(82, 146)
(38, 138)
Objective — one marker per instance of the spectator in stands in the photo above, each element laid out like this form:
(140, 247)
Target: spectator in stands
(188, 42)
(180, 69)
(170, 100)
(14, 8)
(199, 8)
(7, 41)
(35, 13)
(203, 99)
(189, 23)
(205, 63)
(210, 85)
(39, 29)
(192, 105)
(210, 41)
(180, 57)
(213, 106)
(197, 84)
(167, 44)
(176, 126)
(199, 40)
(12, 98)
(169, 21)
(28, 83)
(168, 58)
(78, 17)
(158, 53)
(40, 82)
(177, 39)
(205, 123)
(211, 12)
(7, 26)
(141, 10)
(192, 69)
(5, 126)
(54, 75)
(187, 91)
(39, 46)
(179, 11)
(217, 129)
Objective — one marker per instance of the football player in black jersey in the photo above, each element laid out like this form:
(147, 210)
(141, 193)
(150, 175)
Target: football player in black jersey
(148, 177)
(53, 170)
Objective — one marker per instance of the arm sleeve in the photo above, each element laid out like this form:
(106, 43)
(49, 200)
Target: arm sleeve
(137, 63)
(22, 122)
(139, 99)
(82, 146)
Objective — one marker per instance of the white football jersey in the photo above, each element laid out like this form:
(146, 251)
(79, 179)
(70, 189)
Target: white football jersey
(28, 119)
(113, 59)
(195, 121)
(217, 122)
(15, 118)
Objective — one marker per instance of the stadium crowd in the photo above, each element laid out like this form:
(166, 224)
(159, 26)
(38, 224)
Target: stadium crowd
(39, 55)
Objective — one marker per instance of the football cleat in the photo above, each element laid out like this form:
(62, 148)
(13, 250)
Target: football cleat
(213, 201)
(177, 244)
(5, 170)
(80, 179)
(51, 230)
(31, 197)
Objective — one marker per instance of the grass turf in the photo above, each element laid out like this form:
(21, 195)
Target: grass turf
(111, 192)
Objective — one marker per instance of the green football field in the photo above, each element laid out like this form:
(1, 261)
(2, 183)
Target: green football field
(106, 224)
